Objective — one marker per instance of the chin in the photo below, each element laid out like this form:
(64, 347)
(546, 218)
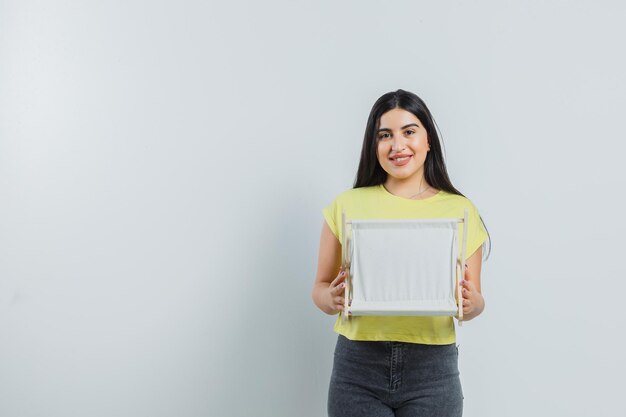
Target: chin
(399, 176)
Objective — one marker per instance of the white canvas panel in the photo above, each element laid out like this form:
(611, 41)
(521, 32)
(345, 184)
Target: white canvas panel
(404, 267)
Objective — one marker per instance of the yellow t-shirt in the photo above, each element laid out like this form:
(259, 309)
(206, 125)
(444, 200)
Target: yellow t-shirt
(376, 202)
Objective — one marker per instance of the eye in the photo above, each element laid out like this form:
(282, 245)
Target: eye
(385, 135)
(409, 132)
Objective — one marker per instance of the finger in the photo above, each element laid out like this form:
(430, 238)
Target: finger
(468, 274)
(340, 277)
(466, 293)
(468, 285)
(337, 280)
(338, 289)
(337, 283)
(470, 288)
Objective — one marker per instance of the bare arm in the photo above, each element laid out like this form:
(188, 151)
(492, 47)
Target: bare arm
(473, 301)
(328, 290)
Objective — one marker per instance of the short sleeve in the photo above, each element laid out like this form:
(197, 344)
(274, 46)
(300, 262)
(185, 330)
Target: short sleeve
(477, 234)
(332, 215)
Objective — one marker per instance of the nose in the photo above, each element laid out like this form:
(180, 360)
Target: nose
(398, 143)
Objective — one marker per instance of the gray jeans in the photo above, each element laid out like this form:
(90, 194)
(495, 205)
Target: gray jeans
(385, 379)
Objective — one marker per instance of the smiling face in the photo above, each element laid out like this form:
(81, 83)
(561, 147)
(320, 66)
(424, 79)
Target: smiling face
(402, 145)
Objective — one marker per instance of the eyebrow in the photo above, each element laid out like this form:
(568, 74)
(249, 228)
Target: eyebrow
(384, 129)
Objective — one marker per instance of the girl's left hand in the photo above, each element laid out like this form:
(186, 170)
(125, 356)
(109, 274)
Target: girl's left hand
(473, 301)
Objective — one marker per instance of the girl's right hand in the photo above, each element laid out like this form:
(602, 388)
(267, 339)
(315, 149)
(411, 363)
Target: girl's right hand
(334, 294)
(328, 293)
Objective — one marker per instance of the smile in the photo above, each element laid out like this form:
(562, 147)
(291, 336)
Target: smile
(401, 161)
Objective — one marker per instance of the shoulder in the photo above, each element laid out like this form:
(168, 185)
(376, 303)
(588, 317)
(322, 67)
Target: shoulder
(456, 199)
(353, 195)
(457, 203)
(347, 200)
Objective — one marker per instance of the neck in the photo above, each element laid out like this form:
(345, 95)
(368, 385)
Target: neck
(408, 187)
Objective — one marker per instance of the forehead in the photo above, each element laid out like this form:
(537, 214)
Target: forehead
(396, 118)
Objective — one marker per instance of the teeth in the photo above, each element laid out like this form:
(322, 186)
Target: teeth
(402, 159)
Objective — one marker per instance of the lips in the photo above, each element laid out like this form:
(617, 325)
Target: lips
(400, 159)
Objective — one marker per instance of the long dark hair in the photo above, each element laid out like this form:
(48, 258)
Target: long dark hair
(370, 173)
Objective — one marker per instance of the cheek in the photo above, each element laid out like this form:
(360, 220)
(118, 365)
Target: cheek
(420, 144)
(424, 142)
(381, 152)
(380, 162)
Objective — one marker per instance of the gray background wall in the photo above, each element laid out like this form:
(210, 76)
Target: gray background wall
(163, 166)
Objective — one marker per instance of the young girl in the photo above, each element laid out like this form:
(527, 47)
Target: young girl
(404, 365)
